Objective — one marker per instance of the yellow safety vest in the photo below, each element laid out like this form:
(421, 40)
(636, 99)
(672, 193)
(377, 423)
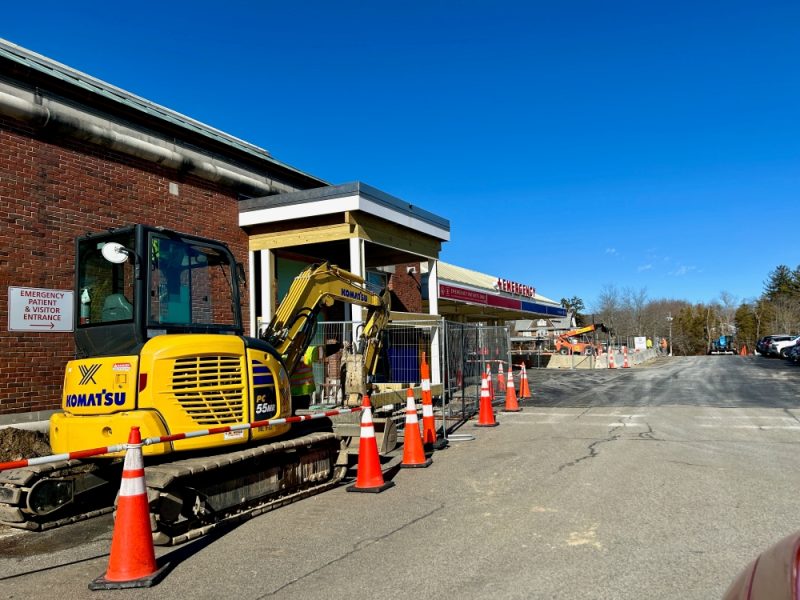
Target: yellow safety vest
(302, 379)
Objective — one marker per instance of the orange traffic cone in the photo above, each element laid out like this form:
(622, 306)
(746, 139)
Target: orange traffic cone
(428, 422)
(485, 412)
(524, 390)
(611, 363)
(132, 562)
(743, 351)
(625, 363)
(501, 378)
(369, 477)
(413, 452)
(511, 395)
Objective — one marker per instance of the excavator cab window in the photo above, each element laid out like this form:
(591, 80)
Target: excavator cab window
(105, 290)
(190, 284)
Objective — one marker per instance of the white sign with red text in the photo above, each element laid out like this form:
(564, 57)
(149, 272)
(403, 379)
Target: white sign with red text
(37, 309)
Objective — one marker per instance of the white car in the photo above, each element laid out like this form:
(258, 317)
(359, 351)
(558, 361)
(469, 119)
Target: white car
(780, 348)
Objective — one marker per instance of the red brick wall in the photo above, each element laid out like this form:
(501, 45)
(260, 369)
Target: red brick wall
(52, 190)
(405, 289)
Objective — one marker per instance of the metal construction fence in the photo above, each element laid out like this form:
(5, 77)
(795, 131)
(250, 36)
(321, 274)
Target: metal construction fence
(457, 353)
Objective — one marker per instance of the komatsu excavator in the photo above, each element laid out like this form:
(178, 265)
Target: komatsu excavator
(160, 346)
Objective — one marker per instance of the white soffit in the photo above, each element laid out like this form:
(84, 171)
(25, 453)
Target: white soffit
(355, 202)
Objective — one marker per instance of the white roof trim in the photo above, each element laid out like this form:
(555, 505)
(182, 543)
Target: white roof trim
(339, 205)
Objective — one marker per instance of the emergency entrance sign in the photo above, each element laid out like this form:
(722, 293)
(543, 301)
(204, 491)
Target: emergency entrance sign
(36, 309)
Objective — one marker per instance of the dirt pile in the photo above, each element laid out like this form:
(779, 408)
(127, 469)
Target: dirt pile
(16, 444)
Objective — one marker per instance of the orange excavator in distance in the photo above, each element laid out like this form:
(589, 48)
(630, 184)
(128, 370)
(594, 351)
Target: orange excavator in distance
(569, 342)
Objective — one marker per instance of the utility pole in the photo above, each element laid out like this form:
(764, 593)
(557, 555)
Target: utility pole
(669, 319)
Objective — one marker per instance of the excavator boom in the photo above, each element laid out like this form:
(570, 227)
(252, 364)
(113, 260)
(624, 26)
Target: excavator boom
(291, 329)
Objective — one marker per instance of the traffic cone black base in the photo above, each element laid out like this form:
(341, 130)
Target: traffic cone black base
(101, 583)
(495, 424)
(511, 410)
(422, 465)
(440, 444)
(370, 490)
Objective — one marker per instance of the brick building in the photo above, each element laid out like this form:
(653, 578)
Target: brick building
(79, 155)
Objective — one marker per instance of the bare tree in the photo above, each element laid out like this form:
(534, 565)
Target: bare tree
(608, 306)
(634, 303)
(728, 305)
(786, 316)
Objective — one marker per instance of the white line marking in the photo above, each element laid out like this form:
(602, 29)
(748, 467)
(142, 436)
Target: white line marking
(790, 427)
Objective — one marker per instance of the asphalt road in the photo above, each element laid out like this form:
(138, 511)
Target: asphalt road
(655, 482)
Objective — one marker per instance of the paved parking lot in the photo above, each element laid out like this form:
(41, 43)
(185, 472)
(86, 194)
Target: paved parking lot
(657, 482)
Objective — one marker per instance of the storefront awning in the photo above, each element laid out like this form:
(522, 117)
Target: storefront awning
(478, 296)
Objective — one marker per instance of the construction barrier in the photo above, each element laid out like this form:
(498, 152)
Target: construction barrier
(459, 366)
(78, 454)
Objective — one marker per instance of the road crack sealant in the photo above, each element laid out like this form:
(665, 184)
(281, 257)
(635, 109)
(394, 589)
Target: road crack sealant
(358, 547)
(593, 449)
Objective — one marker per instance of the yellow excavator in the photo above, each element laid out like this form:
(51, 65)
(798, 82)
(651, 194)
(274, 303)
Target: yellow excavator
(160, 346)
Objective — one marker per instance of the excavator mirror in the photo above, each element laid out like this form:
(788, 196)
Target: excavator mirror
(115, 253)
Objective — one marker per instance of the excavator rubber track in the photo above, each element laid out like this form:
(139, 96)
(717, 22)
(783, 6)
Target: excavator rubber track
(51, 495)
(188, 497)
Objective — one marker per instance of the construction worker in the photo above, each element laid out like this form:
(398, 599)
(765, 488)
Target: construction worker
(649, 343)
(302, 378)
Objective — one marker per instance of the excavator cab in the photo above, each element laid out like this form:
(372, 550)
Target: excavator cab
(138, 282)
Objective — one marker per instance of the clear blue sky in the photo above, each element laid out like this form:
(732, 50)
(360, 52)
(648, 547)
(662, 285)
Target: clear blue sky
(572, 145)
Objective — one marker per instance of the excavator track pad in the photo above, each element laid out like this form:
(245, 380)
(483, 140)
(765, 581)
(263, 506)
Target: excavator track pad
(188, 498)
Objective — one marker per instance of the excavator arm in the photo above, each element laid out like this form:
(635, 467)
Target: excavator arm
(563, 340)
(291, 329)
(587, 329)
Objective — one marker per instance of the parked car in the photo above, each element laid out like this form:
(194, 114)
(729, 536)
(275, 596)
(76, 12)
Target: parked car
(762, 345)
(793, 353)
(778, 347)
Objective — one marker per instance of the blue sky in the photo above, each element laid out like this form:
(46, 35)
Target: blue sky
(572, 145)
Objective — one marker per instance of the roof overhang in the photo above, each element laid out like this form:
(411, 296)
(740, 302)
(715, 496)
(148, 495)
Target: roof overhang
(349, 197)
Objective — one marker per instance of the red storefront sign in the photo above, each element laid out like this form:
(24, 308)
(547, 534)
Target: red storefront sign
(455, 293)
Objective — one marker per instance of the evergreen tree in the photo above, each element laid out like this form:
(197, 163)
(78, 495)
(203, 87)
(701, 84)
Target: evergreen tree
(574, 305)
(780, 282)
(746, 326)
